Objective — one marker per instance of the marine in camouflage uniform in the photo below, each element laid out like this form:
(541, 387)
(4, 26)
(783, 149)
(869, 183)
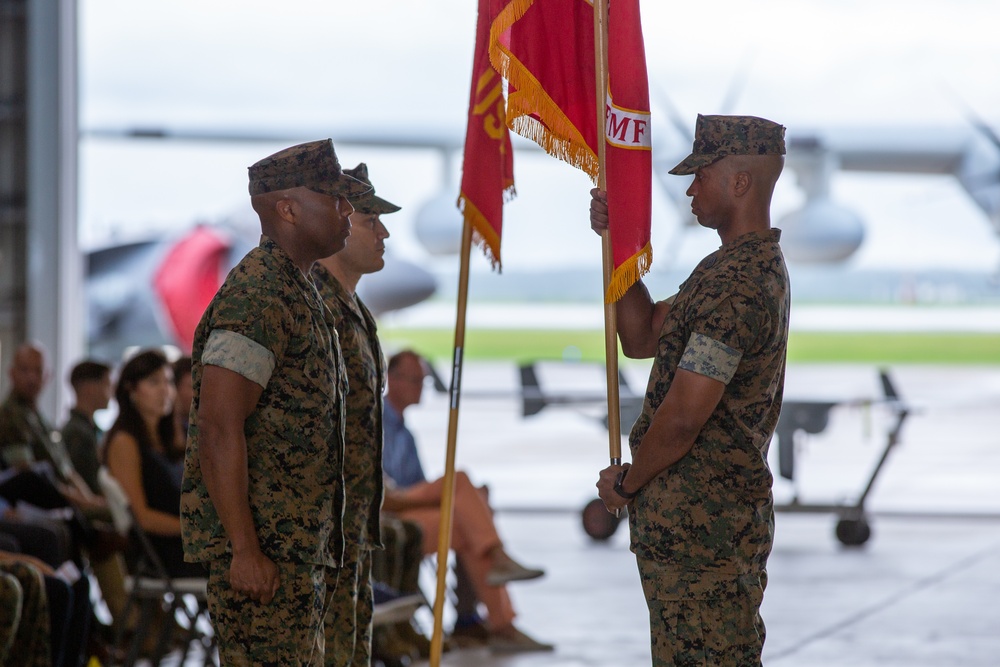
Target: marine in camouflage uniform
(268, 325)
(349, 621)
(702, 525)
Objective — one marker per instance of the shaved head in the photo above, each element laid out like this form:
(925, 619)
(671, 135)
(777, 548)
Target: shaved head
(266, 207)
(27, 371)
(764, 171)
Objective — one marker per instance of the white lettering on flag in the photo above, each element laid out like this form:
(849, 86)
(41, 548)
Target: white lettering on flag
(626, 128)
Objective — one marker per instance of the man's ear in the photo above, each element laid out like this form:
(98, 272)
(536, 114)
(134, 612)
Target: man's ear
(287, 209)
(742, 180)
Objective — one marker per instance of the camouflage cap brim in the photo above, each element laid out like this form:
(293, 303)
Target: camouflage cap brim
(342, 186)
(369, 203)
(373, 205)
(693, 163)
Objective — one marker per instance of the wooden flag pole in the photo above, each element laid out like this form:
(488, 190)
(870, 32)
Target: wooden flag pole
(608, 263)
(448, 488)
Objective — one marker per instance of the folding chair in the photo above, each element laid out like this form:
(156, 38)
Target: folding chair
(149, 586)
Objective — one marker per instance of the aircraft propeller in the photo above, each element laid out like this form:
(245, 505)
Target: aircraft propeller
(821, 231)
(980, 170)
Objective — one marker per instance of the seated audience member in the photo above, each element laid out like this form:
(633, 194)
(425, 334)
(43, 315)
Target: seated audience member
(136, 454)
(474, 535)
(26, 436)
(91, 383)
(83, 439)
(47, 479)
(401, 462)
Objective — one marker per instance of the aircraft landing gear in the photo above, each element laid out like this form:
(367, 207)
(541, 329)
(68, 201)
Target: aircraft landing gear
(853, 531)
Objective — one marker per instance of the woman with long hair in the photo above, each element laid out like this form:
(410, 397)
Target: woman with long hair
(138, 454)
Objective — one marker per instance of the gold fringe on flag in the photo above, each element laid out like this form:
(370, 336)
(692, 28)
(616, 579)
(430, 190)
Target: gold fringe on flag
(557, 136)
(555, 133)
(626, 275)
(483, 233)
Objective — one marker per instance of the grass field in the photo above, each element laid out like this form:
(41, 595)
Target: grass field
(803, 347)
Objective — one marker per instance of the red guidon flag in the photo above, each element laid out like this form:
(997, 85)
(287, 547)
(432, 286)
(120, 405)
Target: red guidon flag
(545, 50)
(488, 162)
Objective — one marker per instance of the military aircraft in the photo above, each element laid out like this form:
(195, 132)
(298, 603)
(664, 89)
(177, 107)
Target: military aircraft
(153, 291)
(822, 230)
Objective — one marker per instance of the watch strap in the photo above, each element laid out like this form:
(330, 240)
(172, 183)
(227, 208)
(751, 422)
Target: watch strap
(621, 491)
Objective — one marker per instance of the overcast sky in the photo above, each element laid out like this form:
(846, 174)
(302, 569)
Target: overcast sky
(319, 68)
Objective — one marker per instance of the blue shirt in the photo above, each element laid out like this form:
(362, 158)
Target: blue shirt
(400, 459)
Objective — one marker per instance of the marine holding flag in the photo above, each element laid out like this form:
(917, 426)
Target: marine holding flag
(698, 490)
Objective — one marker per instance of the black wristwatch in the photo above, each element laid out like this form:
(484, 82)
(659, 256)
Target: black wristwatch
(620, 491)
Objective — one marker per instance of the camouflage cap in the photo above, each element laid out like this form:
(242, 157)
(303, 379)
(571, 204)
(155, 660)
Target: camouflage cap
(369, 203)
(312, 165)
(715, 137)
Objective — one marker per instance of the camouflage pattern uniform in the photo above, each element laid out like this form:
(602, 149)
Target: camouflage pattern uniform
(11, 598)
(31, 645)
(25, 436)
(268, 323)
(348, 625)
(715, 137)
(702, 529)
(349, 622)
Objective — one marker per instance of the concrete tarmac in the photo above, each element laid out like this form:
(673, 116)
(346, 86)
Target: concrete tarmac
(922, 592)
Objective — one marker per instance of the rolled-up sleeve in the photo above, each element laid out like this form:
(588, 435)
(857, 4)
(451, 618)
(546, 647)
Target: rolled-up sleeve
(239, 354)
(711, 358)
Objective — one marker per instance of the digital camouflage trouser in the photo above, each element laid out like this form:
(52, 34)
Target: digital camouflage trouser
(700, 619)
(348, 623)
(287, 631)
(11, 598)
(31, 645)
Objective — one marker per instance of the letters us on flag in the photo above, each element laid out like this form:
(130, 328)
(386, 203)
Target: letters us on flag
(488, 162)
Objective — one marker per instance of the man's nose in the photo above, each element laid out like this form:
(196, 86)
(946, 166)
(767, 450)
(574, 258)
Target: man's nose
(346, 207)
